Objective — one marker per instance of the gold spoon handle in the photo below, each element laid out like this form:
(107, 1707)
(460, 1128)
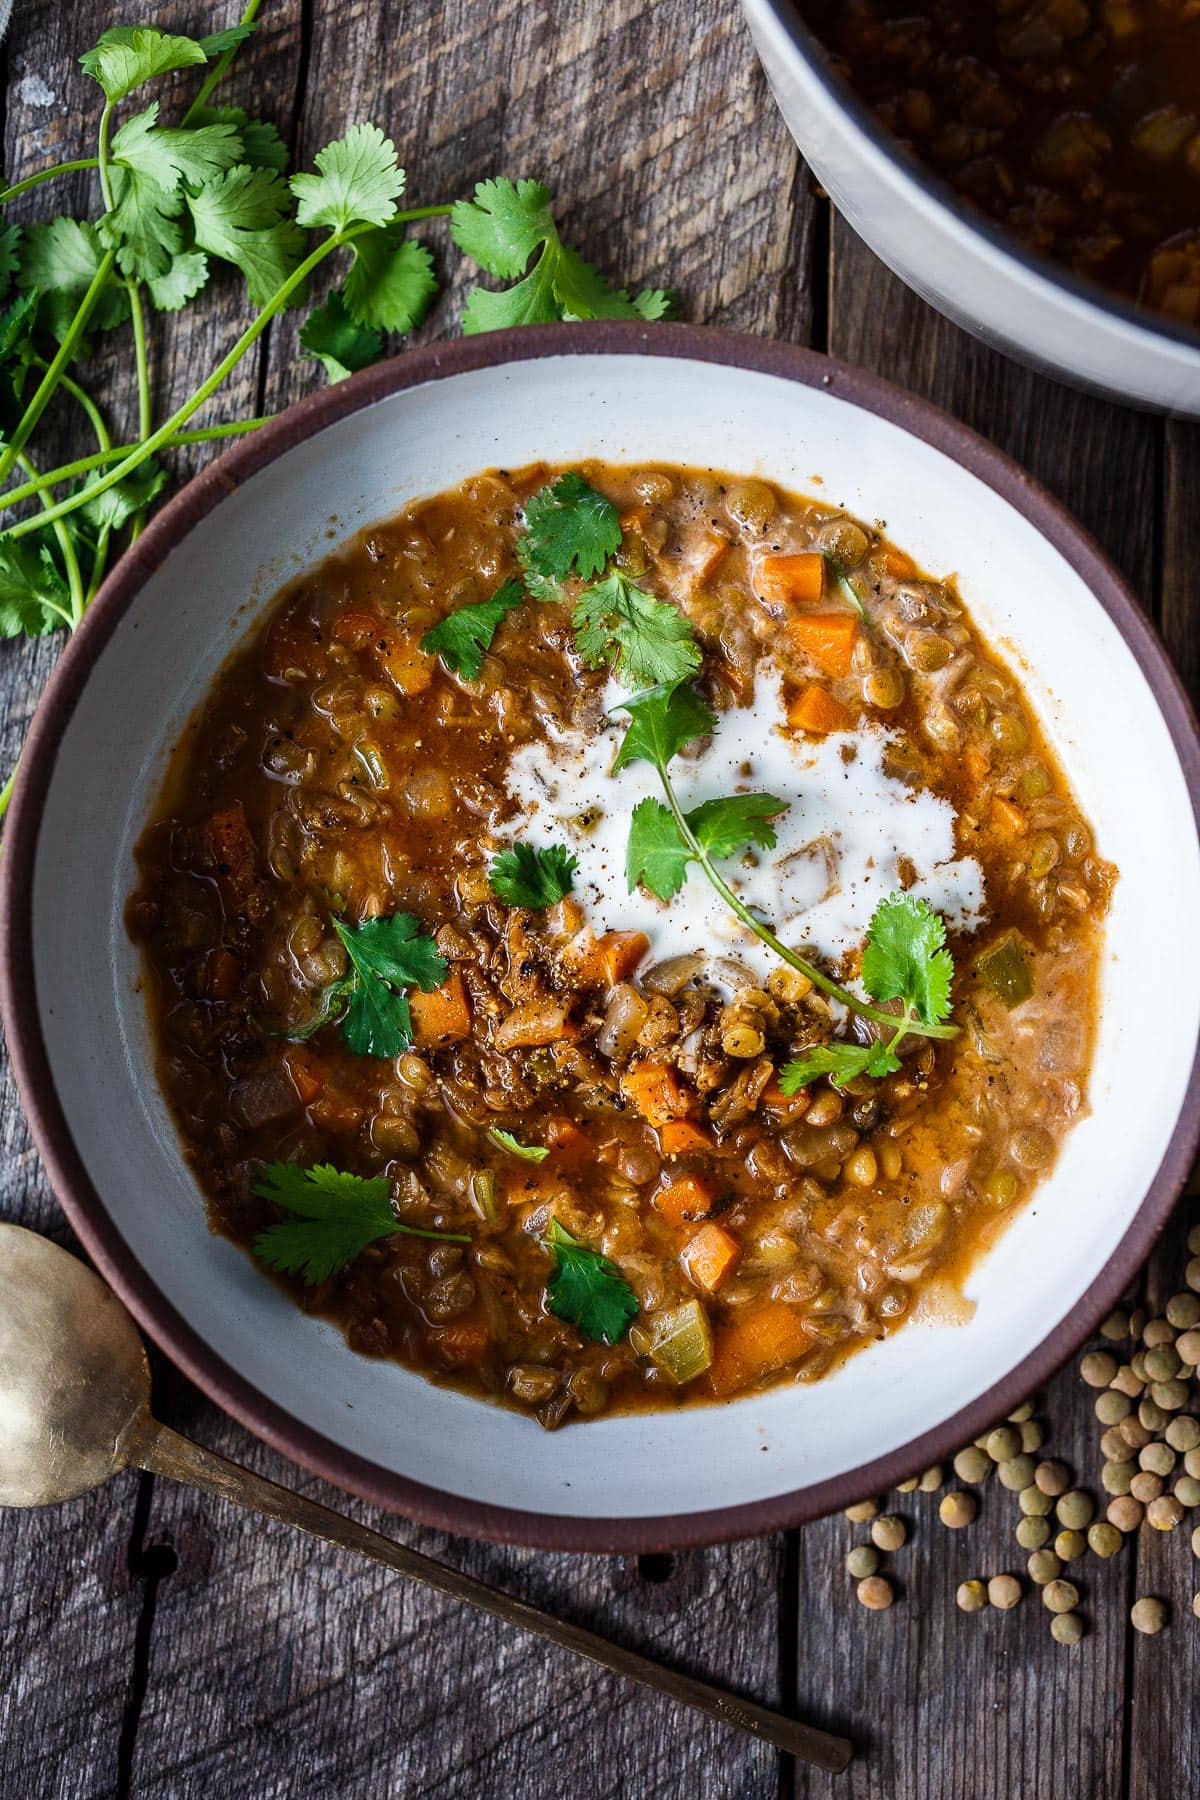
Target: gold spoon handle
(162, 1451)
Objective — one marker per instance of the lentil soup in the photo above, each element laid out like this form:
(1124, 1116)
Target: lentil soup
(586, 1063)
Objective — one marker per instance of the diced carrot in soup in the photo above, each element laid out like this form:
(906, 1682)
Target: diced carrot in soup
(794, 580)
(535, 1022)
(407, 663)
(684, 1200)
(307, 1073)
(655, 1091)
(679, 1137)
(710, 1256)
(827, 639)
(229, 842)
(442, 1017)
(816, 710)
(464, 1340)
(756, 1343)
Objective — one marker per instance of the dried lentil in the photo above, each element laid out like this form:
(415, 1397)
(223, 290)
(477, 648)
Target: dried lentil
(1076, 1510)
(973, 1465)
(1148, 1615)
(862, 1561)
(1003, 1443)
(875, 1593)
(1066, 1628)
(1060, 1596)
(957, 1509)
(1069, 1546)
(1104, 1539)
(1043, 1566)
(1165, 1513)
(862, 1511)
(1098, 1368)
(1112, 1407)
(1003, 1592)
(972, 1596)
(1033, 1503)
(1053, 1478)
(1125, 1513)
(1031, 1534)
(889, 1532)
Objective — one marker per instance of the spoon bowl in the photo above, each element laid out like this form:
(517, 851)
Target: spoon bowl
(74, 1379)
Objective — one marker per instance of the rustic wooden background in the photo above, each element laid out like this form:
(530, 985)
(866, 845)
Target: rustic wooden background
(154, 1642)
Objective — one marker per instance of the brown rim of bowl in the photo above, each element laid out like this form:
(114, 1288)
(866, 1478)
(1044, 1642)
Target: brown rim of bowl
(83, 1205)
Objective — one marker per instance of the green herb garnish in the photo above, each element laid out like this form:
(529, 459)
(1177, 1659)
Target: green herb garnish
(648, 642)
(586, 1289)
(524, 876)
(463, 636)
(905, 959)
(534, 1153)
(664, 841)
(501, 228)
(570, 529)
(387, 957)
(336, 1216)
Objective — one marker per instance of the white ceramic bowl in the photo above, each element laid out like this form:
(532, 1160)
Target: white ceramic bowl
(146, 654)
(953, 255)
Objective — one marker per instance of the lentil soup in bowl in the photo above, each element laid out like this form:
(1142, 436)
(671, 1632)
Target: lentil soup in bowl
(630, 900)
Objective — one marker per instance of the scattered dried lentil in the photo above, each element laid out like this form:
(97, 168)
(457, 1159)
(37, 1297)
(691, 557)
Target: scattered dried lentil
(1183, 1433)
(973, 1465)
(1152, 1415)
(888, 1532)
(1069, 1546)
(908, 1487)
(1060, 1596)
(862, 1561)
(1169, 1395)
(1191, 1461)
(1076, 1510)
(1158, 1458)
(1043, 1566)
(1031, 1436)
(1033, 1503)
(1004, 1591)
(1116, 1477)
(972, 1596)
(1162, 1364)
(931, 1480)
(1023, 1412)
(1187, 1491)
(1193, 1240)
(1183, 1310)
(862, 1511)
(1098, 1368)
(1157, 1332)
(1112, 1407)
(1016, 1472)
(1192, 1274)
(1164, 1513)
(875, 1593)
(1053, 1478)
(1146, 1487)
(957, 1509)
(1104, 1539)
(1003, 1443)
(1115, 1327)
(1032, 1533)
(1188, 1347)
(1134, 1433)
(1128, 1380)
(1148, 1615)
(1066, 1628)
(1125, 1513)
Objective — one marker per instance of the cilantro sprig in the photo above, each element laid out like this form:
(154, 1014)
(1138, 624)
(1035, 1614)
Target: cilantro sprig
(335, 1216)
(527, 876)
(463, 637)
(504, 1140)
(586, 1289)
(182, 199)
(665, 841)
(388, 956)
(905, 959)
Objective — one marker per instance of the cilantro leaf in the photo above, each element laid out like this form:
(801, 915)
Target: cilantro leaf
(906, 959)
(570, 529)
(501, 228)
(34, 598)
(240, 217)
(525, 876)
(391, 281)
(462, 637)
(841, 1062)
(59, 260)
(654, 303)
(128, 55)
(649, 642)
(586, 1289)
(656, 855)
(662, 720)
(262, 146)
(217, 42)
(339, 342)
(335, 1217)
(534, 1153)
(117, 505)
(734, 822)
(387, 956)
(358, 181)
(167, 156)
(180, 282)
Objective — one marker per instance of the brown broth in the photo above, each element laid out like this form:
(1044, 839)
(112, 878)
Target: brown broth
(842, 1209)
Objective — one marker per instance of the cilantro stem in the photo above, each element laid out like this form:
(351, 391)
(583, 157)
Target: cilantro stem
(6, 792)
(54, 370)
(765, 935)
(66, 545)
(229, 361)
(32, 181)
(216, 74)
(145, 411)
(99, 459)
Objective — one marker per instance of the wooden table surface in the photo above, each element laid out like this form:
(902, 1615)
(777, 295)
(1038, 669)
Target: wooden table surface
(154, 1641)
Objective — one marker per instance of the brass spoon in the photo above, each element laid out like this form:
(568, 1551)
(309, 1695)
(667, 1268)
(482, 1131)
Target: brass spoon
(75, 1408)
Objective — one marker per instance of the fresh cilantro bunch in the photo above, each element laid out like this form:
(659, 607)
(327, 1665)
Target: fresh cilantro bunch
(334, 1217)
(180, 200)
